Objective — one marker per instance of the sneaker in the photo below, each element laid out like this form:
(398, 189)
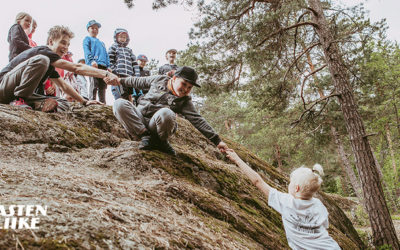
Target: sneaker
(165, 147)
(152, 142)
(48, 105)
(20, 103)
(146, 143)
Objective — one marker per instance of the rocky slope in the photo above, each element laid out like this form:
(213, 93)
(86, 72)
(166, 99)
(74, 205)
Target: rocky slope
(102, 192)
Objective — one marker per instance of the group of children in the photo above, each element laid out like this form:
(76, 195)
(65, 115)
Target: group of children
(119, 59)
(153, 119)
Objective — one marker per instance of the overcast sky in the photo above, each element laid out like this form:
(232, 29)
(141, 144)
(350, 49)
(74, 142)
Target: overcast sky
(151, 32)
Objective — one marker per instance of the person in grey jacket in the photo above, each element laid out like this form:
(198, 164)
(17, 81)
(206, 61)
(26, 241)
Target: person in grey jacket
(154, 119)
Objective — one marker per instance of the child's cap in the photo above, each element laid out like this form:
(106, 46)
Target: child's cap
(81, 60)
(120, 31)
(143, 58)
(91, 23)
(171, 50)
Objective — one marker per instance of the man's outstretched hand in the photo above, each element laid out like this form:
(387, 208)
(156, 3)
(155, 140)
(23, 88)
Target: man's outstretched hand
(112, 79)
(222, 147)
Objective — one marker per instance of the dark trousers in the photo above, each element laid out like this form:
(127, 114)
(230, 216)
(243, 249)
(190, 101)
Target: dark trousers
(98, 87)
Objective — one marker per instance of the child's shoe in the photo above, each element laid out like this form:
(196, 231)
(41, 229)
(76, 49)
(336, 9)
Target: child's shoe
(19, 102)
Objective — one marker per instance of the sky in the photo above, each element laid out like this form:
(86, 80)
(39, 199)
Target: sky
(379, 9)
(151, 32)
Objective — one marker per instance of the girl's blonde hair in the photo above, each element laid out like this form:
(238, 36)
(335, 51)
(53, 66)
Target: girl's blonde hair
(308, 180)
(21, 16)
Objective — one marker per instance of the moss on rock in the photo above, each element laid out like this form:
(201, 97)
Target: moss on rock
(105, 193)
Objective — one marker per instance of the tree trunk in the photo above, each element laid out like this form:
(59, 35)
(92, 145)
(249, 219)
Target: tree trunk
(343, 160)
(397, 117)
(389, 139)
(278, 157)
(382, 225)
(348, 168)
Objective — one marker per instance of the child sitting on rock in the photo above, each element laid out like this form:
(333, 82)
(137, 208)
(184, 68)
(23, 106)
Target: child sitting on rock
(304, 217)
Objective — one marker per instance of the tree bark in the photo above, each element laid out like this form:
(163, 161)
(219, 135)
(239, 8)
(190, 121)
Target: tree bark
(390, 142)
(397, 117)
(347, 166)
(278, 157)
(343, 159)
(382, 225)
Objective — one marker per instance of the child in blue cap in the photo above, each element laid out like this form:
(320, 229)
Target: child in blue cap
(96, 55)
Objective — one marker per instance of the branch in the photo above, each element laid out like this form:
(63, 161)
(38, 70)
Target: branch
(244, 12)
(285, 29)
(301, 54)
(313, 11)
(295, 35)
(293, 124)
(304, 81)
(371, 134)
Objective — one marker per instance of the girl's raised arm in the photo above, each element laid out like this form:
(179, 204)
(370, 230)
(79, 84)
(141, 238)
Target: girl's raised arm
(249, 172)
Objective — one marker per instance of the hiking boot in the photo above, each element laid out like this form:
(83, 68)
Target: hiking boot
(19, 102)
(165, 147)
(147, 143)
(153, 142)
(48, 105)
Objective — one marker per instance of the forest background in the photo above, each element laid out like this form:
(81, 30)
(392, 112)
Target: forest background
(304, 82)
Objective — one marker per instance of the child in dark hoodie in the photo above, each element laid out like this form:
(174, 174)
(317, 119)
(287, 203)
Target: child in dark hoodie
(17, 37)
(122, 62)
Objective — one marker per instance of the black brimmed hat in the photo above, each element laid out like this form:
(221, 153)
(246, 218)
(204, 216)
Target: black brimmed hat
(188, 74)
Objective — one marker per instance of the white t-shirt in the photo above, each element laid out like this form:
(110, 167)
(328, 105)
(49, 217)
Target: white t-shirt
(305, 221)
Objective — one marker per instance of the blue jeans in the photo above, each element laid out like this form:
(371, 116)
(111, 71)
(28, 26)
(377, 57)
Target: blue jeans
(116, 91)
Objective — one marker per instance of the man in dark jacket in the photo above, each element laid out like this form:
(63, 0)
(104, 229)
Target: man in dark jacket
(154, 119)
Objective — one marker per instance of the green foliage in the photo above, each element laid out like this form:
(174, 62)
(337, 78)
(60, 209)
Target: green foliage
(339, 184)
(360, 216)
(152, 65)
(396, 217)
(364, 236)
(384, 247)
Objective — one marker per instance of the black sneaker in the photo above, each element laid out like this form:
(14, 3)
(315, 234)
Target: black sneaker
(146, 143)
(165, 147)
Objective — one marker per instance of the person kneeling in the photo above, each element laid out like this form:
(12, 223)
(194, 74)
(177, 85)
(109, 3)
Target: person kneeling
(154, 119)
(30, 69)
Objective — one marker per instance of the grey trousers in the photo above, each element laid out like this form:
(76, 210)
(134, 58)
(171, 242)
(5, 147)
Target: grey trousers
(163, 122)
(24, 79)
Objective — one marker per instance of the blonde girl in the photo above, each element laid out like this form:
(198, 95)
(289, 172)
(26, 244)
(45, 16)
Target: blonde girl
(304, 217)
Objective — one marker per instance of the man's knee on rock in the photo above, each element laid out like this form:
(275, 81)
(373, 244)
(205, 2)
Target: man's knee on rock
(168, 123)
(167, 114)
(41, 60)
(119, 105)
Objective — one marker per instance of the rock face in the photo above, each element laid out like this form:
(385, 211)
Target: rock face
(102, 192)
